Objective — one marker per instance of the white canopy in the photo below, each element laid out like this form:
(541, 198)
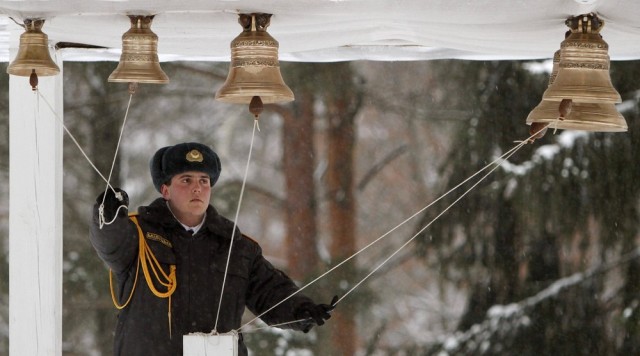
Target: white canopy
(333, 30)
(307, 30)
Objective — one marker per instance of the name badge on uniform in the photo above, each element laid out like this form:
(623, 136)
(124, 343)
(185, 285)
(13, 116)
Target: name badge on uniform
(201, 344)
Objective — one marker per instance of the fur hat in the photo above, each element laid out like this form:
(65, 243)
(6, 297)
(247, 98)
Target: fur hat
(189, 156)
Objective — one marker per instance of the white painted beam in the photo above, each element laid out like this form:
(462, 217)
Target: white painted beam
(35, 217)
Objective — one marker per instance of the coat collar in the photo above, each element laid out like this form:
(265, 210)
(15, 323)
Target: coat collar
(158, 212)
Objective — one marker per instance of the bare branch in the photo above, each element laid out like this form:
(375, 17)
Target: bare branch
(380, 166)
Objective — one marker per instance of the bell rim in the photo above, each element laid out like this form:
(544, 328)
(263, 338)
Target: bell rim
(125, 79)
(246, 98)
(24, 70)
(578, 126)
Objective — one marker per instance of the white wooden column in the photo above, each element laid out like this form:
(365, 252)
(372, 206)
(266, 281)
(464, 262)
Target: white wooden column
(35, 217)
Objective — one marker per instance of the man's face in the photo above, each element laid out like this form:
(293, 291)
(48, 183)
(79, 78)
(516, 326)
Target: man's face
(188, 196)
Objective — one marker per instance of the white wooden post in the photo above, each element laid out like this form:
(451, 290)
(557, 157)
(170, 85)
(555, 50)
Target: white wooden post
(35, 216)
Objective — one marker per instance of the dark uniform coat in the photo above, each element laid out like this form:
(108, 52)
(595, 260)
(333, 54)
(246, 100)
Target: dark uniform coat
(144, 326)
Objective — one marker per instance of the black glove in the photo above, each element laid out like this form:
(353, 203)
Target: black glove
(314, 314)
(112, 202)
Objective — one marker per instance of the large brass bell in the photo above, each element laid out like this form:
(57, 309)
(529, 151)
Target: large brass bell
(573, 113)
(139, 59)
(254, 69)
(33, 53)
(576, 116)
(583, 71)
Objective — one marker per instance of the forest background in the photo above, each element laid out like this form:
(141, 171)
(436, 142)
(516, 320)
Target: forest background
(541, 257)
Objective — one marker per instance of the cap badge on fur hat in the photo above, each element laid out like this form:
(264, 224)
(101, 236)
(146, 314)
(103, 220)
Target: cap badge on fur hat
(194, 156)
(183, 157)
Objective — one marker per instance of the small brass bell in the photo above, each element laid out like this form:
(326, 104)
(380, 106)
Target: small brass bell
(583, 71)
(254, 69)
(33, 53)
(139, 60)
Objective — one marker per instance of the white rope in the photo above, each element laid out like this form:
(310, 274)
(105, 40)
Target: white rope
(499, 159)
(430, 223)
(107, 180)
(235, 222)
(72, 137)
(266, 326)
(36, 116)
(108, 186)
(119, 196)
(555, 124)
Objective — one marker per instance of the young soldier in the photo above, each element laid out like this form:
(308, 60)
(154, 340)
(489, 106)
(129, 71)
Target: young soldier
(167, 262)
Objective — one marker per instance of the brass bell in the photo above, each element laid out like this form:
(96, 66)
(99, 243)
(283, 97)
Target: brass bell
(139, 59)
(568, 114)
(583, 71)
(33, 53)
(254, 69)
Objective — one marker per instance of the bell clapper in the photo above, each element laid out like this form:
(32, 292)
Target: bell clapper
(563, 111)
(564, 108)
(33, 80)
(256, 107)
(537, 130)
(133, 86)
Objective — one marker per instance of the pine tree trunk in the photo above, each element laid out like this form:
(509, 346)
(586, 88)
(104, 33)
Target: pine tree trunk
(341, 201)
(298, 166)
